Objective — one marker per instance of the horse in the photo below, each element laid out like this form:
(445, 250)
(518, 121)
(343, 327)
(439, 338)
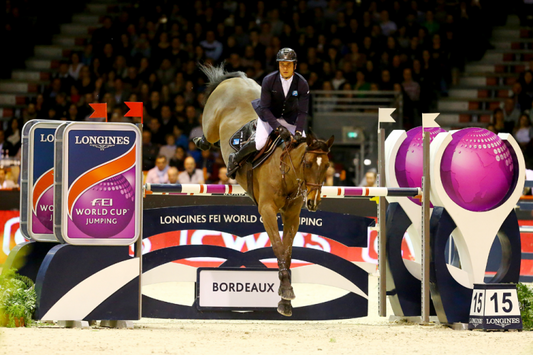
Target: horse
(283, 182)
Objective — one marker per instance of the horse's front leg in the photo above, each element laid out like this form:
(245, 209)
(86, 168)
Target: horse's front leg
(269, 212)
(291, 221)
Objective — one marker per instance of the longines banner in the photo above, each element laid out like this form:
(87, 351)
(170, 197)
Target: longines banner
(346, 229)
(37, 180)
(98, 184)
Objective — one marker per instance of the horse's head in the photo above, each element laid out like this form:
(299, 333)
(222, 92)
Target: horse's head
(315, 162)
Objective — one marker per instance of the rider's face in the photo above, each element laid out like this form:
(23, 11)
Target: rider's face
(286, 69)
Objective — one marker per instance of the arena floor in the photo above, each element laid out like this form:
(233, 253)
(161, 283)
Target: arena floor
(369, 335)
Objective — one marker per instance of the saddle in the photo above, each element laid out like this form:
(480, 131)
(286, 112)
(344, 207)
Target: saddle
(246, 134)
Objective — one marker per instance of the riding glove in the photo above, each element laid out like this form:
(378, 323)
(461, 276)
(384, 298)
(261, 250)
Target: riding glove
(284, 133)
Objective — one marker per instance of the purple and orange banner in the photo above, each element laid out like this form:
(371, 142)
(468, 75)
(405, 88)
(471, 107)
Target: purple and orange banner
(37, 180)
(99, 184)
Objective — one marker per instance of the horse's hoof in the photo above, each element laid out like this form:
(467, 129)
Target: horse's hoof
(286, 293)
(285, 308)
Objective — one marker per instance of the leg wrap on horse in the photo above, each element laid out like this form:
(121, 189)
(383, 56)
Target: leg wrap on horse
(235, 159)
(284, 275)
(285, 289)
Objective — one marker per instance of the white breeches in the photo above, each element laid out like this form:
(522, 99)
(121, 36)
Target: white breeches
(264, 129)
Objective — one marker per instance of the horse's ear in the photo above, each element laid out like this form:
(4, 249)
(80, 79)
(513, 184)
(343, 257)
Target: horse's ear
(310, 138)
(330, 141)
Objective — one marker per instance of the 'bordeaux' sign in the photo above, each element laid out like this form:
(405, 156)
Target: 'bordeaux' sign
(237, 288)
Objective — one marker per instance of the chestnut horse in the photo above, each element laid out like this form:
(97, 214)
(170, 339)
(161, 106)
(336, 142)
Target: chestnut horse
(283, 182)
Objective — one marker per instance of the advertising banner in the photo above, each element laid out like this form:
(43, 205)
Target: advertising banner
(37, 180)
(11, 236)
(98, 185)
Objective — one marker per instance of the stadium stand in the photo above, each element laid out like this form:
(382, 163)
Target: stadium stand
(436, 52)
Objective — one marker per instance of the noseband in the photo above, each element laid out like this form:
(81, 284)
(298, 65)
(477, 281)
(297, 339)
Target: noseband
(302, 184)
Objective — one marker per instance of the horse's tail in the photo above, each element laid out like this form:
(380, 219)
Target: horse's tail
(216, 75)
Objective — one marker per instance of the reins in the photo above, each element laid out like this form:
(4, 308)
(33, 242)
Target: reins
(285, 168)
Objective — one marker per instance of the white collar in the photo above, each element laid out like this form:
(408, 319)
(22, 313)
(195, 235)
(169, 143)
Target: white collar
(286, 80)
(286, 84)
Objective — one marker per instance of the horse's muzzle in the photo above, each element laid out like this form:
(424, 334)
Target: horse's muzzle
(312, 204)
(313, 197)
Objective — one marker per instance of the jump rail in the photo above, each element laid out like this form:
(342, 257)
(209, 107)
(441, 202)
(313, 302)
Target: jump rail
(236, 190)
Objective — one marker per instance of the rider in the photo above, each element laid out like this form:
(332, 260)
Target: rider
(283, 107)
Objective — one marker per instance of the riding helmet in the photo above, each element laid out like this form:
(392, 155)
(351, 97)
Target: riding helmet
(286, 55)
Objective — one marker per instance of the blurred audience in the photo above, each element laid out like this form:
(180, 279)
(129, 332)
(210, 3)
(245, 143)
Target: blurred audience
(333, 178)
(173, 175)
(150, 53)
(370, 179)
(159, 173)
(5, 183)
(223, 179)
(191, 175)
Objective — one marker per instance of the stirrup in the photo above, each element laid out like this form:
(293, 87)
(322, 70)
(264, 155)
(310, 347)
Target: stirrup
(235, 160)
(233, 170)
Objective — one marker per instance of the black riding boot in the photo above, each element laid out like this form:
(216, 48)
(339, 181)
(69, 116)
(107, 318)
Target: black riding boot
(235, 158)
(201, 143)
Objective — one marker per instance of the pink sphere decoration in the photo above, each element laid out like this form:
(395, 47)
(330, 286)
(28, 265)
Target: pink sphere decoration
(409, 166)
(478, 170)
(106, 208)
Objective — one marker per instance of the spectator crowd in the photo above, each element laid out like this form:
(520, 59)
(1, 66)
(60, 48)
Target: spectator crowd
(150, 50)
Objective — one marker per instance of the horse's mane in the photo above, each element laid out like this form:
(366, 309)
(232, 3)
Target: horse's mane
(216, 75)
(318, 145)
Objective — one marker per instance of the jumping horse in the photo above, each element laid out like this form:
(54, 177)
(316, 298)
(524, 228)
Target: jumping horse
(293, 173)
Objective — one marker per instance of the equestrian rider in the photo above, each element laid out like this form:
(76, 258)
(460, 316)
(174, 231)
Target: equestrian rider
(283, 107)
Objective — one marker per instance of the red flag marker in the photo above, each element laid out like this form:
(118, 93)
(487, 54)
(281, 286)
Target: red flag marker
(100, 111)
(136, 110)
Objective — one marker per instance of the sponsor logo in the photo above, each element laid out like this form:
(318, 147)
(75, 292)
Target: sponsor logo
(47, 138)
(304, 221)
(100, 212)
(102, 142)
(503, 322)
(475, 322)
(105, 202)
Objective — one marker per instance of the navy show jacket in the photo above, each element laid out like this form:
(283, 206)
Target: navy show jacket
(273, 104)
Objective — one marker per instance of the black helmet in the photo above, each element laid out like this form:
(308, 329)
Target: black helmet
(286, 55)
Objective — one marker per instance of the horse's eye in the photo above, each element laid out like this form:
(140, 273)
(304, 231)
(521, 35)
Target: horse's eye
(308, 165)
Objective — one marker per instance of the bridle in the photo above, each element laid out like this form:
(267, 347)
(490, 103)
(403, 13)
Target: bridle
(303, 185)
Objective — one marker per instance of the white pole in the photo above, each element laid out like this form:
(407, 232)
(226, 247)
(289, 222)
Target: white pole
(425, 232)
(382, 229)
